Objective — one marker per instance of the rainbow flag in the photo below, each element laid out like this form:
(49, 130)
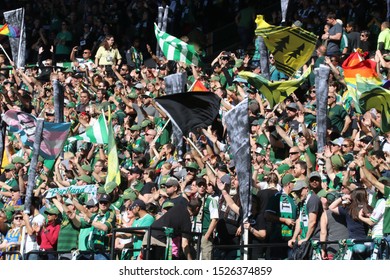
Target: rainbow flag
(10, 31)
(198, 86)
(354, 65)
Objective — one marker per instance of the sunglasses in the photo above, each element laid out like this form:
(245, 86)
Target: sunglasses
(103, 202)
(329, 97)
(345, 146)
(18, 218)
(293, 153)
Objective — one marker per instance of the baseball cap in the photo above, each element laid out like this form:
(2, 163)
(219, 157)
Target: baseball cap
(299, 185)
(138, 203)
(172, 181)
(105, 198)
(314, 174)
(288, 178)
(293, 106)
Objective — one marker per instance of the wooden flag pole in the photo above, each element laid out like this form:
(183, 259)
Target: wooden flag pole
(5, 52)
(159, 132)
(199, 152)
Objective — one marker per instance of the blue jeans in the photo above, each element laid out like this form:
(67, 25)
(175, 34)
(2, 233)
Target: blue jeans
(386, 253)
(101, 256)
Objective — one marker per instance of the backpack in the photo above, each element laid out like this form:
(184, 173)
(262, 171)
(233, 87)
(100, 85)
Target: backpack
(301, 252)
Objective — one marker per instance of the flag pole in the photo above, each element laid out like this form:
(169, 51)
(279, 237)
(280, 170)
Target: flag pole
(33, 165)
(159, 132)
(196, 149)
(5, 53)
(2, 142)
(22, 32)
(321, 75)
(58, 101)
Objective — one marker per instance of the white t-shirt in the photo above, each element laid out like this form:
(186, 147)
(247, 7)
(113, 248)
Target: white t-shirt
(31, 240)
(377, 217)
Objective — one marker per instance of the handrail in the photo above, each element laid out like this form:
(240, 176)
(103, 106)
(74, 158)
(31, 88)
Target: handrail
(238, 246)
(149, 237)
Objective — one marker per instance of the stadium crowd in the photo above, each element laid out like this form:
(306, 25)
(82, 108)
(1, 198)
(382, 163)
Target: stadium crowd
(298, 193)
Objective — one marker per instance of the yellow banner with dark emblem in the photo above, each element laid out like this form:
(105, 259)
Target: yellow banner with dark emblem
(292, 47)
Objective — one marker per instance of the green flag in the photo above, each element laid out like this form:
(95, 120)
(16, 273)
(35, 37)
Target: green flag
(374, 96)
(175, 49)
(274, 92)
(96, 133)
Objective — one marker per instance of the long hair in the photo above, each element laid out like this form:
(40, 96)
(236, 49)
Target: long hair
(359, 201)
(105, 43)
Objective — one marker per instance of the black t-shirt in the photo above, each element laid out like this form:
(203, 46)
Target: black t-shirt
(177, 218)
(147, 188)
(178, 200)
(263, 196)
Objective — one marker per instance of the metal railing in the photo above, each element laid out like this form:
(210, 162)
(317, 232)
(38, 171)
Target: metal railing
(149, 237)
(379, 248)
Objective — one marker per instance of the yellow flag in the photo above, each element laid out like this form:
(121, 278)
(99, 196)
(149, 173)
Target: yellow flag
(274, 92)
(113, 173)
(292, 47)
(5, 160)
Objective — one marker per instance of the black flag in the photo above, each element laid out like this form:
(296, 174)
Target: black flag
(191, 110)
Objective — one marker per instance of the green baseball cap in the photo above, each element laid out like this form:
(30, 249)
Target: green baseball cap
(9, 166)
(52, 210)
(86, 167)
(132, 94)
(110, 186)
(135, 127)
(145, 123)
(192, 165)
(71, 105)
(87, 179)
(288, 178)
(18, 160)
(130, 194)
(283, 168)
(202, 173)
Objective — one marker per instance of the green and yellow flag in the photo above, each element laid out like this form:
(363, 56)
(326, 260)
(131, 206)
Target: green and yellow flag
(374, 96)
(113, 173)
(292, 47)
(274, 92)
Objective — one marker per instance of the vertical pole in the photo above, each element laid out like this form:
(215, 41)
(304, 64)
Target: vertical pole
(58, 102)
(321, 76)
(283, 7)
(33, 165)
(159, 24)
(264, 61)
(2, 142)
